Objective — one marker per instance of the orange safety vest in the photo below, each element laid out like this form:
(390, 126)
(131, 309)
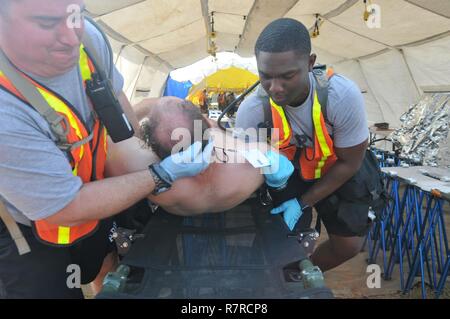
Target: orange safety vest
(87, 160)
(314, 161)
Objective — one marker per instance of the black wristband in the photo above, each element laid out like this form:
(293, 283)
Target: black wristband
(277, 189)
(302, 205)
(279, 196)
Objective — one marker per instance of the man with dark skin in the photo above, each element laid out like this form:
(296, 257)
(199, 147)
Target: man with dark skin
(285, 63)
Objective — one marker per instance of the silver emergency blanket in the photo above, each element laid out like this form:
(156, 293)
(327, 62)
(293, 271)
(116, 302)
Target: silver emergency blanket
(444, 152)
(424, 134)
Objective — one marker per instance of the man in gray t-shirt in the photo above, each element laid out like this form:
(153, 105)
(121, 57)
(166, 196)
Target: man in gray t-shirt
(40, 183)
(346, 112)
(285, 64)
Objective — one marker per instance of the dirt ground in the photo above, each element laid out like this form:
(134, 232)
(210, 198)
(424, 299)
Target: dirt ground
(349, 280)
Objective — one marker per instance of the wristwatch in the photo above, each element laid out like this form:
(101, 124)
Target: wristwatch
(302, 205)
(161, 179)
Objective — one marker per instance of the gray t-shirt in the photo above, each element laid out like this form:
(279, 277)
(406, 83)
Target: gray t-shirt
(36, 179)
(345, 111)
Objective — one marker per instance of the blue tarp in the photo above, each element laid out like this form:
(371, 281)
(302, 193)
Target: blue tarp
(178, 89)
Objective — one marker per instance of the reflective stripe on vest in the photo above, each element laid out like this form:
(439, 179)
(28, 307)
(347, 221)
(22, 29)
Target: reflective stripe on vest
(285, 133)
(314, 161)
(83, 160)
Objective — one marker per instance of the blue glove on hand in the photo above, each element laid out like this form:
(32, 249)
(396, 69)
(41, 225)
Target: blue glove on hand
(292, 212)
(190, 162)
(279, 171)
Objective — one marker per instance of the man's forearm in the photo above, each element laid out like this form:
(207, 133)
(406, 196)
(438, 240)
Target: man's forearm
(105, 198)
(338, 174)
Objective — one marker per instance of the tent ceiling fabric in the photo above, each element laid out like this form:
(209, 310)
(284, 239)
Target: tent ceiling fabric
(410, 49)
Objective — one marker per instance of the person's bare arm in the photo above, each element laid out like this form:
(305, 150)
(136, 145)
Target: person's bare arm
(220, 187)
(104, 198)
(348, 163)
(132, 156)
(107, 197)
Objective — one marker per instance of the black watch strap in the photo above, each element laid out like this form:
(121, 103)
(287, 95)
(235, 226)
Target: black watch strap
(161, 179)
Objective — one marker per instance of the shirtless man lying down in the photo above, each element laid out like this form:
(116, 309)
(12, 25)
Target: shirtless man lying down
(226, 183)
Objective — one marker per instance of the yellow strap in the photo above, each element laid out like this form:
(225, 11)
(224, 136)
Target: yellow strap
(105, 139)
(317, 112)
(286, 126)
(320, 165)
(75, 170)
(317, 173)
(61, 107)
(63, 235)
(84, 65)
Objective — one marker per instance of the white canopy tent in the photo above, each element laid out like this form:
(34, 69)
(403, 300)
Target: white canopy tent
(199, 70)
(408, 55)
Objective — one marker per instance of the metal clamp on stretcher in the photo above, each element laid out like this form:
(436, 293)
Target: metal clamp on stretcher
(124, 238)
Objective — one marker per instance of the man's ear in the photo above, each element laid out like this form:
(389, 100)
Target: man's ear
(312, 61)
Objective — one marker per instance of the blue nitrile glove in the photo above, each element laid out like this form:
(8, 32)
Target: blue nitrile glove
(279, 171)
(190, 162)
(292, 211)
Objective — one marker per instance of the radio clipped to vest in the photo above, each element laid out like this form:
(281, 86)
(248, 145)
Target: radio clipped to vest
(108, 108)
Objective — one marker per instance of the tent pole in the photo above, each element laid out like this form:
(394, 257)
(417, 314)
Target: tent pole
(233, 104)
(370, 89)
(137, 79)
(419, 91)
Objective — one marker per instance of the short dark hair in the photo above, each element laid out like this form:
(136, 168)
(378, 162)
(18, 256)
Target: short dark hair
(283, 35)
(185, 109)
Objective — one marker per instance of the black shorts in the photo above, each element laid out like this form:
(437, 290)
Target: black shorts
(42, 273)
(329, 214)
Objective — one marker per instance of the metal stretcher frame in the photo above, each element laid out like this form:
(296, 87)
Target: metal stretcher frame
(242, 253)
